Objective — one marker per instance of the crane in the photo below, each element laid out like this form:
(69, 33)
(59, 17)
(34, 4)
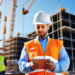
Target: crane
(4, 27)
(0, 18)
(12, 20)
(4, 31)
(11, 30)
(25, 11)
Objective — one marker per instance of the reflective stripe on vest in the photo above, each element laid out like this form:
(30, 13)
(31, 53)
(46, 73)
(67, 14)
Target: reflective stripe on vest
(1, 63)
(35, 50)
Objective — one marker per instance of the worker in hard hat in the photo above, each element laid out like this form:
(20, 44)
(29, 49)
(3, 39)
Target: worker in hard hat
(3, 63)
(43, 47)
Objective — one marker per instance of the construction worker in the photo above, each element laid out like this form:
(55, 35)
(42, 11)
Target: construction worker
(43, 47)
(3, 63)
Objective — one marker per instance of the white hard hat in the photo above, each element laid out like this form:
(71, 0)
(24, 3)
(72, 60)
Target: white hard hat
(1, 51)
(41, 17)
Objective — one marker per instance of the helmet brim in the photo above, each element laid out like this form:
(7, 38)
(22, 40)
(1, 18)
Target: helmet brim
(42, 22)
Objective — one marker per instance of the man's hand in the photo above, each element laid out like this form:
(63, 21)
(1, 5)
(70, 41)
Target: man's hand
(34, 66)
(50, 66)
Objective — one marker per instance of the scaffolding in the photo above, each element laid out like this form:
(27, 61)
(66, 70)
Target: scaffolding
(17, 44)
(11, 30)
(63, 28)
(32, 35)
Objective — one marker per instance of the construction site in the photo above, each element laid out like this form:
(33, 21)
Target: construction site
(62, 28)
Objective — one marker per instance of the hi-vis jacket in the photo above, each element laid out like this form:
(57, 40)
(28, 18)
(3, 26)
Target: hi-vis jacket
(2, 66)
(35, 50)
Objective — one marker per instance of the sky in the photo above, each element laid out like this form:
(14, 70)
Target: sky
(23, 23)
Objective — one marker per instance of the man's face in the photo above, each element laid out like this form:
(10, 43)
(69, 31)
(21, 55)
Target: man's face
(2, 54)
(42, 29)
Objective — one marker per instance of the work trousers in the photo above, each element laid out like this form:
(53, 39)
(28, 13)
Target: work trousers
(2, 73)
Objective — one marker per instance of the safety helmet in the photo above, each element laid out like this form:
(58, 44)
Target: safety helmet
(41, 17)
(1, 51)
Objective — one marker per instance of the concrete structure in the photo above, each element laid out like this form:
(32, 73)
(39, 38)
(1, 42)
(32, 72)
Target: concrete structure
(17, 44)
(63, 28)
(32, 35)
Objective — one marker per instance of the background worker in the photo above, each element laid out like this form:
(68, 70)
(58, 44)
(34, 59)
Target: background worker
(43, 47)
(3, 63)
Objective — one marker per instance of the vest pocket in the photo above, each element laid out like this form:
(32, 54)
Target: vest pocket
(33, 52)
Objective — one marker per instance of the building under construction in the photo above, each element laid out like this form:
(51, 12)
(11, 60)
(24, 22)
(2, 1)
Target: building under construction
(62, 28)
(13, 55)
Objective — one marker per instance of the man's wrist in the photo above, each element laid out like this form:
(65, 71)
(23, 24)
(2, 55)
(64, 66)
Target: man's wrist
(31, 68)
(56, 69)
(53, 69)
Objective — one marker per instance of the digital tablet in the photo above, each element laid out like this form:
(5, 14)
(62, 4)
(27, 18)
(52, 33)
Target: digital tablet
(41, 62)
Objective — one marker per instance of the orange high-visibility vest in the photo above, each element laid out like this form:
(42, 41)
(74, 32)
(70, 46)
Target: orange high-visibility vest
(35, 50)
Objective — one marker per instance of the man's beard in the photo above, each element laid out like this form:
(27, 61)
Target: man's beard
(43, 36)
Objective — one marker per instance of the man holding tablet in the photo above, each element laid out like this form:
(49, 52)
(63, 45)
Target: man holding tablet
(54, 57)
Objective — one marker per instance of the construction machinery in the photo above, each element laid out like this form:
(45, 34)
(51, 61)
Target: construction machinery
(0, 19)
(11, 30)
(25, 11)
(4, 31)
(12, 21)
(0, 22)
